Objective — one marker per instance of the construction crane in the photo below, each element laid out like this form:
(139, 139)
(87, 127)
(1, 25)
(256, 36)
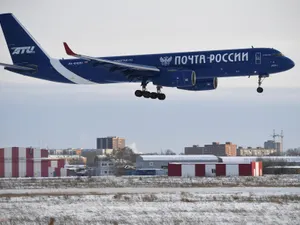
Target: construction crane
(281, 140)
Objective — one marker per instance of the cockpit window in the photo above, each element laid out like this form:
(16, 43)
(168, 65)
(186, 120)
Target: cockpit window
(279, 54)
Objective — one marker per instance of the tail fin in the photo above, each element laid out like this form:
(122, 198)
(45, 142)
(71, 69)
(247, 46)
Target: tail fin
(23, 48)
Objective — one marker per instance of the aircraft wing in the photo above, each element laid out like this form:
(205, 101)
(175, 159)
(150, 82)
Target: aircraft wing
(10, 66)
(129, 69)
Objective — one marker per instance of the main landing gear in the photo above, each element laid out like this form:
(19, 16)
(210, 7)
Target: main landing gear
(260, 80)
(147, 94)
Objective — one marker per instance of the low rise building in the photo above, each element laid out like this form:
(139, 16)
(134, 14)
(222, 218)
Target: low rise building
(213, 170)
(227, 149)
(282, 170)
(107, 151)
(71, 159)
(104, 166)
(255, 151)
(194, 150)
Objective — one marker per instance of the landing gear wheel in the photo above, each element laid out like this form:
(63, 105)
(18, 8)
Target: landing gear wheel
(153, 95)
(260, 90)
(146, 94)
(143, 92)
(138, 93)
(161, 96)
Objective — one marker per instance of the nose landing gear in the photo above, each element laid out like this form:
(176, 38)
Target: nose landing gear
(260, 80)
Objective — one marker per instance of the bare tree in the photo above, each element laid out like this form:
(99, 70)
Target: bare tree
(168, 152)
(124, 156)
(293, 152)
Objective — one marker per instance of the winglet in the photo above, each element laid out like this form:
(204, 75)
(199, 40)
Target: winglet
(68, 49)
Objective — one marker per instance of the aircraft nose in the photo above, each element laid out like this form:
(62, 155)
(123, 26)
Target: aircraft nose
(291, 63)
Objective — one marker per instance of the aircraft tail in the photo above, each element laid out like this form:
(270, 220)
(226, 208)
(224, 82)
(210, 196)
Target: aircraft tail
(23, 48)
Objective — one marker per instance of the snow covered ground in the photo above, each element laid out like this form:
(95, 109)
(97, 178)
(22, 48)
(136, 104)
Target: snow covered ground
(151, 200)
(237, 205)
(149, 181)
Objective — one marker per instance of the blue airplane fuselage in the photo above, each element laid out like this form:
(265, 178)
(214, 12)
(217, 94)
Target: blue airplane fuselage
(206, 64)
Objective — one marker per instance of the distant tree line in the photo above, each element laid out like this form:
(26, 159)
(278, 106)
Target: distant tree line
(168, 152)
(293, 152)
(163, 152)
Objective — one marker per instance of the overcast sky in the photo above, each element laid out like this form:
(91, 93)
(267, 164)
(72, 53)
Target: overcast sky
(41, 113)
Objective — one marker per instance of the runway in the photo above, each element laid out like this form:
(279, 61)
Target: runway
(98, 191)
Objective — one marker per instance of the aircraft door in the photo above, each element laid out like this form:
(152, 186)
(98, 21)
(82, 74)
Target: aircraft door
(258, 58)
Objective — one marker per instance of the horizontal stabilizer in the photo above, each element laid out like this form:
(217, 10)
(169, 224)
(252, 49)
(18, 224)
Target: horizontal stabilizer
(9, 66)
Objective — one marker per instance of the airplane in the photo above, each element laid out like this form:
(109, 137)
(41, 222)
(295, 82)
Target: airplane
(189, 71)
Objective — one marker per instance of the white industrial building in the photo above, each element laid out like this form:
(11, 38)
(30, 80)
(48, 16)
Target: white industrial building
(248, 159)
(161, 161)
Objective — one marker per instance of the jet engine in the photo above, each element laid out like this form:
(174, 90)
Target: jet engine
(203, 85)
(178, 78)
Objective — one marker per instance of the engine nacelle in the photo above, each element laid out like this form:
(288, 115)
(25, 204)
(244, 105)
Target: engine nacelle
(203, 85)
(179, 78)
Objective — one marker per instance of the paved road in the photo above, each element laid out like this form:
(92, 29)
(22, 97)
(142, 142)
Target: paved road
(215, 191)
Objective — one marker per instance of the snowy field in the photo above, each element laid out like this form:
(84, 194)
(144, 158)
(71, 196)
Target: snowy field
(219, 205)
(151, 200)
(150, 181)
